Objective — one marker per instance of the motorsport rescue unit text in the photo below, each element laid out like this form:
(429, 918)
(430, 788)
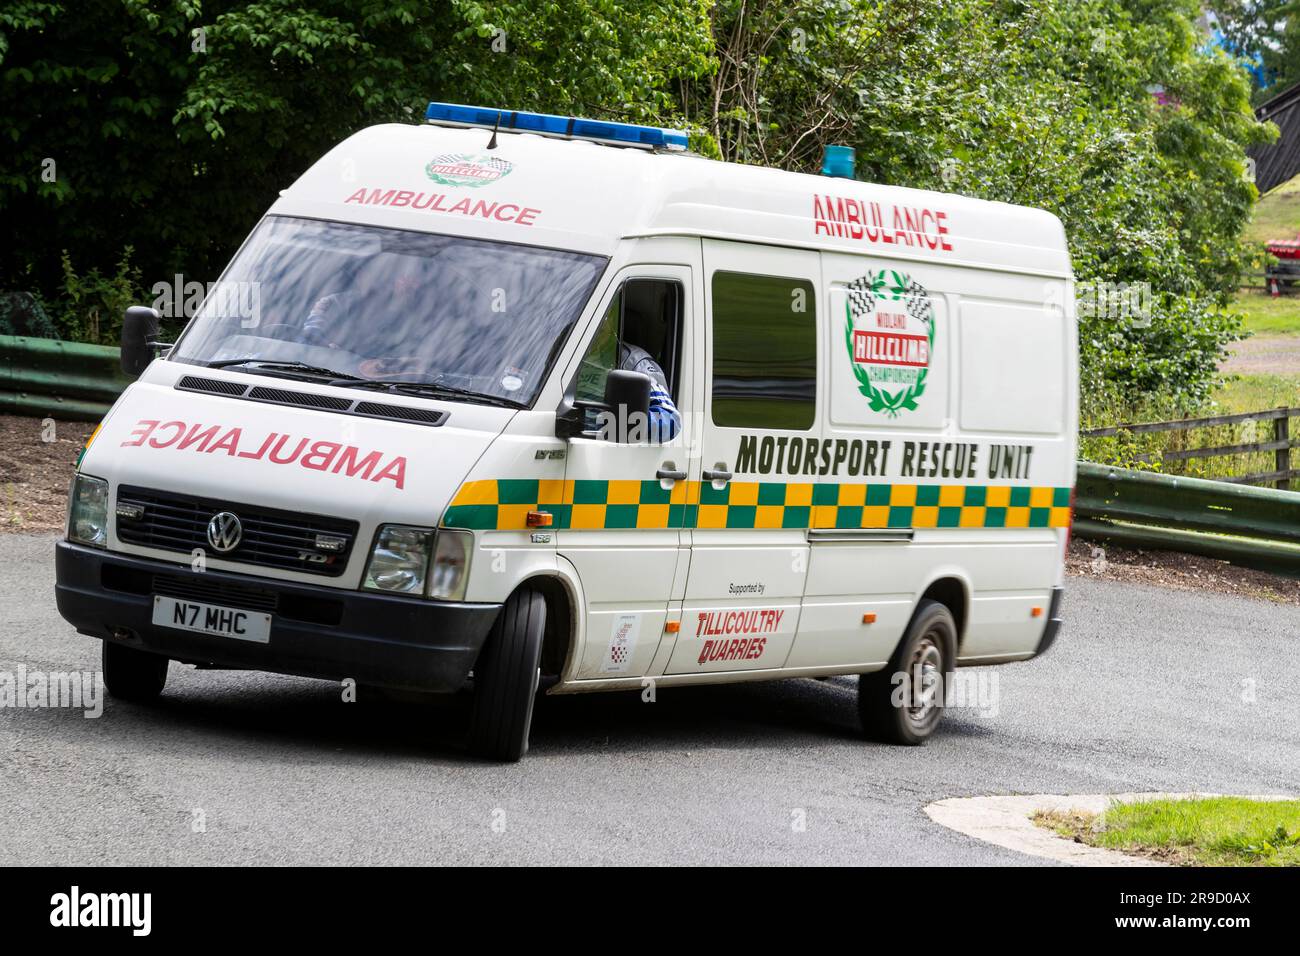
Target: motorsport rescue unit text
(781, 455)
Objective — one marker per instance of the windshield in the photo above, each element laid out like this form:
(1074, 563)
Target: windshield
(346, 302)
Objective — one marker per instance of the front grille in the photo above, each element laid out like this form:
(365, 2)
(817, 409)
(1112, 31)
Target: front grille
(271, 538)
(308, 607)
(207, 591)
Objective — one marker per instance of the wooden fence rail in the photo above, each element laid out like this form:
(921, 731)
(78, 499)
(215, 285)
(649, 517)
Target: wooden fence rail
(1281, 443)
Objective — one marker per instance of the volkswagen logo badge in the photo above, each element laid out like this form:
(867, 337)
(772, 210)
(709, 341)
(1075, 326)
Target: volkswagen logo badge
(225, 532)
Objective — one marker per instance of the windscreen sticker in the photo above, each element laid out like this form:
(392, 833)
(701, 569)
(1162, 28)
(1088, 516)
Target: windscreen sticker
(440, 202)
(512, 379)
(277, 448)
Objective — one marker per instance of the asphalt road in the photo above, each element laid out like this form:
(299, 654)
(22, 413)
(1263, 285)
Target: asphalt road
(1146, 690)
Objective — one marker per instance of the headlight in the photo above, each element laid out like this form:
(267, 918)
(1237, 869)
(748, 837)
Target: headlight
(451, 565)
(88, 511)
(399, 562)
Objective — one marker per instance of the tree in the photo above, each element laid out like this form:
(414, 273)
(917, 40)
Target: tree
(172, 124)
(1046, 104)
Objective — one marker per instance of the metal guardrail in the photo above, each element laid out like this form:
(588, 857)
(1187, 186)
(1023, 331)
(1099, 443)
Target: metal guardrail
(1253, 527)
(61, 379)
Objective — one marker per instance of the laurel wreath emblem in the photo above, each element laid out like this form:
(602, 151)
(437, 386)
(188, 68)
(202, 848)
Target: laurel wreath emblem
(862, 295)
(501, 166)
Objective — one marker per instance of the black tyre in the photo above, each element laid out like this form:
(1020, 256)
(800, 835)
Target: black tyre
(908, 712)
(505, 679)
(133, 675)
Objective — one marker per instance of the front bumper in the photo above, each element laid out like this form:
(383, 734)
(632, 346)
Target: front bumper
(323, 632)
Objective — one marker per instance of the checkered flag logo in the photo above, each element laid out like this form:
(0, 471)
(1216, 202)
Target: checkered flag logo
(456, 159)
(862, 301)
(918, 302)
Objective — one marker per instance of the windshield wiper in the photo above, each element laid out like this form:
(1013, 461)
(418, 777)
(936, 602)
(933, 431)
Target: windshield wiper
(433, 387)
(330, 373)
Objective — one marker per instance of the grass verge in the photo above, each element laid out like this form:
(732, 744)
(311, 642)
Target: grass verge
(1253, 393)
(1205, 831)
(1262, 314)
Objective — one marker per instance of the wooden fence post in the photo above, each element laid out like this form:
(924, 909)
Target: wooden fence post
(1282, 432)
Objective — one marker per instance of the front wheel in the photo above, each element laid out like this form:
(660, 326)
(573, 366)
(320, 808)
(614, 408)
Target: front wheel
(505, 679)
(134, 675)
(907, 709)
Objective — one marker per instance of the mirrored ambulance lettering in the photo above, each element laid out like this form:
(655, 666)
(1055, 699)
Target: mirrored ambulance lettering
(279, 449)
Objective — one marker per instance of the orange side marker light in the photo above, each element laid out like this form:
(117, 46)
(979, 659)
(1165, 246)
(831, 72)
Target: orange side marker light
(539, 519)
(1036, 612)
(869, 617)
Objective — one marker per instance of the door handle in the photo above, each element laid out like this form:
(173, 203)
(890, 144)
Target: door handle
(718, 474)
(667, 474)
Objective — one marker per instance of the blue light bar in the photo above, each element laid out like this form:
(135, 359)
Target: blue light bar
(570, 127)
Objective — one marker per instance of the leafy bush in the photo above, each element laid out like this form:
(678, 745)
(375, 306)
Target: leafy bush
(176, 123)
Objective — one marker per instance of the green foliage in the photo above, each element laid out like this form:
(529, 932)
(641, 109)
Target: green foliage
(173, 123)
(1269, 29)
(1037, 103)
(90, 305)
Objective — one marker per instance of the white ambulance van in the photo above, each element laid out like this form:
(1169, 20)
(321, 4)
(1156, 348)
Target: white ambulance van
(524, 402)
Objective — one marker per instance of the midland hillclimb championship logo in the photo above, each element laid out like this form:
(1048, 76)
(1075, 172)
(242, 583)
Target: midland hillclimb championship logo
(467, 169)
(889, 332)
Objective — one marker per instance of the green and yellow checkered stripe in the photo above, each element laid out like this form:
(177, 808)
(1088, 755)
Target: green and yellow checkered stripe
(503, 504)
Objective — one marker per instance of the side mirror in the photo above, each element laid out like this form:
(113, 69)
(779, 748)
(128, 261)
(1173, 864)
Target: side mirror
(627, 394)
(139, 335)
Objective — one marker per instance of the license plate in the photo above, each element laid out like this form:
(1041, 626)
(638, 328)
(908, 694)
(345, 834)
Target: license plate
(211, 619)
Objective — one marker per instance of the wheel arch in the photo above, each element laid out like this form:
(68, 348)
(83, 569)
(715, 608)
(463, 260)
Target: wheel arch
(560, 640)
(952, 590)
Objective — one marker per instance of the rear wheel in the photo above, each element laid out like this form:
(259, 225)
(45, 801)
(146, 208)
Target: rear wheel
(505, 679)
(907, 711)
(134, 675)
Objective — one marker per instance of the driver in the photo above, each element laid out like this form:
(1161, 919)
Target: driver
(328, 317)
(665, 419)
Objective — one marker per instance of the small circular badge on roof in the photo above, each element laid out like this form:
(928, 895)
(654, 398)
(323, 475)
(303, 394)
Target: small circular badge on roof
(512, 380)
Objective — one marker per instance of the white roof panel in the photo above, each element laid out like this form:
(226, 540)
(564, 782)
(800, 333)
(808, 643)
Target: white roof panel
(585, 196)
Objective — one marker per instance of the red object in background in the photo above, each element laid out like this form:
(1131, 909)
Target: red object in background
(1285, 248)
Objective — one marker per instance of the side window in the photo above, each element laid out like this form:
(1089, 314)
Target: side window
(601, 356)
(643, 318)
(764, 352)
